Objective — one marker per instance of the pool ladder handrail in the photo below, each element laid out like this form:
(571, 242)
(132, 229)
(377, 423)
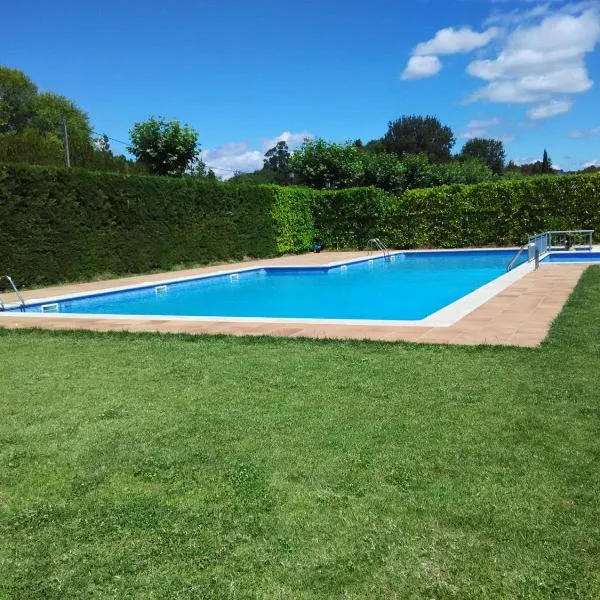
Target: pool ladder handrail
(15, 290)
(541, 244)
(380, 246)
(515, 258)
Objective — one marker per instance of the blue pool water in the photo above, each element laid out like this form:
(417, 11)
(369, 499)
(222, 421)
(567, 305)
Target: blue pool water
(582, 256)
(411, 286)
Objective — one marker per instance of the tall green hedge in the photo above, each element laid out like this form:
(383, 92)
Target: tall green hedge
(64, 225)
(504, 212)
(349, 218)
(293, 218)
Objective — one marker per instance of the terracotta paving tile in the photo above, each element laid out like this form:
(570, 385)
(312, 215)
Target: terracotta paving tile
(520, 315)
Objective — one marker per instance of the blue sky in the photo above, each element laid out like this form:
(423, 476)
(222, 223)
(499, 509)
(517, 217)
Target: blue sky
(245, 74)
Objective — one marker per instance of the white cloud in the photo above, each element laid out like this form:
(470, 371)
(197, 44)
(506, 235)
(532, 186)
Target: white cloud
(479, 124)
(517, 16)
(229, 158)
(582, 133)
(469, 134)
(239, 156)
(425, 61)
(591, 163)
(525, 161)
(507, 138)
(543, 59)
(293, 140)
(455, 41)
(478, 128)
(551, 109)
(419, 67)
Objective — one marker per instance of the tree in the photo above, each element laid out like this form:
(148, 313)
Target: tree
(102, 144)
(419, 135)
(383, 170)
(543, 167)
(470, 171)
(31, 147)
(277, 163)
(164, 147)
(375, 147)
(17, 93)
(590, 169)
(260, 177)
(320, 164)
(490, 152)
(50, 110)
(546, 163)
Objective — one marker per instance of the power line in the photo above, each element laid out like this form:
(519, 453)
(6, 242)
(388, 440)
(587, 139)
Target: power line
(209, 166)
(111, 139)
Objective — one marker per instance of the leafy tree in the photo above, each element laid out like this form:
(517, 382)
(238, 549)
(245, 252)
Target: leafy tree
(417, 171)
(102, 144)
(543, 167)
(466, 171)
(277, 158)
(320, 164)
(375, 146)
(383, 170)
(31, 129)
(164, 147)
(30, 146)
(17, 93)
(590, 169)
(49, 112)
(277, 163)
(490, 152)
(419, 135)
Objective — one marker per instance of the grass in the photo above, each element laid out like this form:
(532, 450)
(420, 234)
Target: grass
(159, 466)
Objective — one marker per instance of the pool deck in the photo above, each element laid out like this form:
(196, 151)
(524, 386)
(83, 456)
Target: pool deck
(518, 316)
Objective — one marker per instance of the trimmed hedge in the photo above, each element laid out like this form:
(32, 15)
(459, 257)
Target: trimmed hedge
(504, 212)
(292, 213)
(349, 218)
(64, 225)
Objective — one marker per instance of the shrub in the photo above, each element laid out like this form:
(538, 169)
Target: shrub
(492, 213)
(64, 225)
(293, 219)
(349, 218)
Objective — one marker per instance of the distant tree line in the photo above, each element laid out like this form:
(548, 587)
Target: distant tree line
(415, 151)
(39, 127)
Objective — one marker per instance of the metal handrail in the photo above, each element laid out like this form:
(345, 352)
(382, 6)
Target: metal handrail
(380, 246)
(589, 233)
(515, 258)
(540, 244)
(15, 290)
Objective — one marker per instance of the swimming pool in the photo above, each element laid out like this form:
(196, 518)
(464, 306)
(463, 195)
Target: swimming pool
(407, 286)
(569, 257)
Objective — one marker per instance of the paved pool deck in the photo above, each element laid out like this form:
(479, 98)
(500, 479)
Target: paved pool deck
(519, 315)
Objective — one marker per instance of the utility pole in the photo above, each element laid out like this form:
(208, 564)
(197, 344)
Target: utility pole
(66, 143)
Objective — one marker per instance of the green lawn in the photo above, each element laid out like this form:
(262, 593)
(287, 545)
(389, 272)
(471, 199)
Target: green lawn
(159, 466)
